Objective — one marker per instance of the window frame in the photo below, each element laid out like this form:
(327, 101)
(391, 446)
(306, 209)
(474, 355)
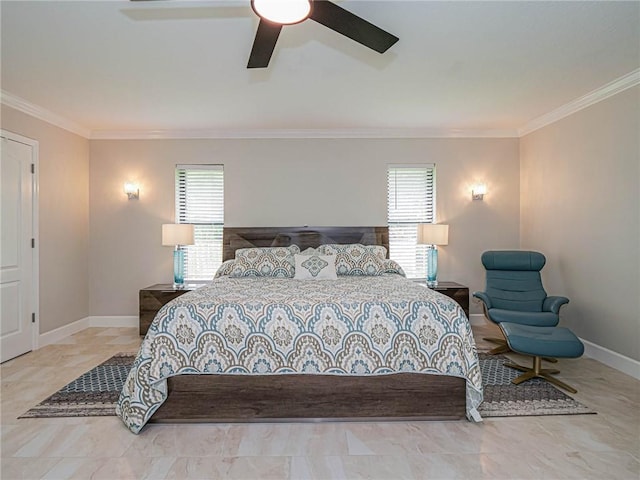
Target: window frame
(211, 257)
(403, 235)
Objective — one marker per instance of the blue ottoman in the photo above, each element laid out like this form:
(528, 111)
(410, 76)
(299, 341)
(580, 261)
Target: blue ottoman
(541, 342)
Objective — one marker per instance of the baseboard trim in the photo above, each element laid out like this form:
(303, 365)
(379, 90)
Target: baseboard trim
(114, 321)
(612, 359)
(477, 319)
(60, 333)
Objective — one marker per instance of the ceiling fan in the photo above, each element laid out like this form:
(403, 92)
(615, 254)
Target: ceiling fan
(274, 14)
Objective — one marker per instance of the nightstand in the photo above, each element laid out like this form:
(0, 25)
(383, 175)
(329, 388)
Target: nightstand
(154, 297)
(453, 290)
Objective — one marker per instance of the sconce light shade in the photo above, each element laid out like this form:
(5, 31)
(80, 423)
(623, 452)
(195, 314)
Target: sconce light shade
(132, 190)
(478, 191)
(177, 234)
(433, 234)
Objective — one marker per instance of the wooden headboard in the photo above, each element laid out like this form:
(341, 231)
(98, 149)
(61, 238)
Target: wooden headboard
(234, 238)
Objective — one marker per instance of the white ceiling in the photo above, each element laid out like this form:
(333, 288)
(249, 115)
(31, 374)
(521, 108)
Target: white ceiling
(180, 65)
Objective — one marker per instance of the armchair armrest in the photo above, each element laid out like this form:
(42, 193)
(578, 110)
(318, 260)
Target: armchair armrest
(484, 297)
(553, 304)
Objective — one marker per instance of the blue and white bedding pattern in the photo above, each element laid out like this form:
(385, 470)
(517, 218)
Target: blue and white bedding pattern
(360, 325)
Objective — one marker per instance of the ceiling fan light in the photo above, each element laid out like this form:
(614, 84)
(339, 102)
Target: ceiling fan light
(284, 12)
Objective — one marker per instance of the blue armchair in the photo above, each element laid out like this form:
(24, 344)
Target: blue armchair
(514, 292)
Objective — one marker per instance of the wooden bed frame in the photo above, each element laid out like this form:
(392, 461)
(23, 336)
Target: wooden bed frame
(298, 397)
(304, 237)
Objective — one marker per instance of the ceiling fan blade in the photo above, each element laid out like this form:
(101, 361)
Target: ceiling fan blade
(343, 21)
(263, 44)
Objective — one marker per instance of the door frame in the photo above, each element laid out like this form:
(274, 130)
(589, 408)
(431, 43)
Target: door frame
(35, 252)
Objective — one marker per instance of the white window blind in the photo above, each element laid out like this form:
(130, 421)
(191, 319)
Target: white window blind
(411, 200)
(200, 201)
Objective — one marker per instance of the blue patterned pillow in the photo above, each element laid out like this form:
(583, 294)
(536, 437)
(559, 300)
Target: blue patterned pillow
(354, 249)
(391, 266)
(357, 259)
(225, 269)
(265, 262)
(315, 267)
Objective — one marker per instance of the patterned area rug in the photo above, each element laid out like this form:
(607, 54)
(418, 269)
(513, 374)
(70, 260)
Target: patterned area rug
(96, 392)
(93, 394)
(533, 397)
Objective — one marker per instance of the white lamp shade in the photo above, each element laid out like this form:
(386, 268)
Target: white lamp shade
(177, 234)
(433, 234)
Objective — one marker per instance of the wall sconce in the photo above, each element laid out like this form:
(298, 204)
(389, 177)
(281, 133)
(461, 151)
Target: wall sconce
(478, 191)
(132, 190)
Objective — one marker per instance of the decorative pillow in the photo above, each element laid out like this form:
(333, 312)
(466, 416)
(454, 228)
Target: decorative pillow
(355, 249)
(356, 259)
(309, 251)
(391, 266)
(225, 269)
(315, 267)
(265, 262)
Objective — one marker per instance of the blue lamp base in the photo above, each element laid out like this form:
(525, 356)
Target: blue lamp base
(178, 268)
(432, 266)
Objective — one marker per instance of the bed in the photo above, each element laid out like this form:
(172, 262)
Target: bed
(365, 346)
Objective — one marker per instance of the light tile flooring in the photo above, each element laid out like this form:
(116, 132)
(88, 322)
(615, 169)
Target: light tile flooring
(603, 446)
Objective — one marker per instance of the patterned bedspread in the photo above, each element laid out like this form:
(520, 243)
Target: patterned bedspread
(349, 326)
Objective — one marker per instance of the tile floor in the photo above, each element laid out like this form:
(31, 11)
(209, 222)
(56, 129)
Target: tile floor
(603, 446)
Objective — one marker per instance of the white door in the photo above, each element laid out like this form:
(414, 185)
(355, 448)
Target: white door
(16, 249)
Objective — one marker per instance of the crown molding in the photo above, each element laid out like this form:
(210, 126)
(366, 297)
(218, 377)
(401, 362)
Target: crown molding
(302, 133)
(621, 84)
(20, 104)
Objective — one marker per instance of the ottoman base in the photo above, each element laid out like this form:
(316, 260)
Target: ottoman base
(541, 342)
(537, 372)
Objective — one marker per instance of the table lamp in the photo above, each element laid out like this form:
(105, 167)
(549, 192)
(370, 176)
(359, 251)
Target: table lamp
(432, 234)
(177, 235)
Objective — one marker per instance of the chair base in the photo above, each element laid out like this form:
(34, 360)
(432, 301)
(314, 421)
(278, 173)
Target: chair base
(538, 372)
(503, 347)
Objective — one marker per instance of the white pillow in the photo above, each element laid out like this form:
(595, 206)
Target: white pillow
(315, 267)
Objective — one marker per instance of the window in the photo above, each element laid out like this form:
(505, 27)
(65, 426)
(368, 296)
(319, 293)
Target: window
(411, 200)
(200, 201)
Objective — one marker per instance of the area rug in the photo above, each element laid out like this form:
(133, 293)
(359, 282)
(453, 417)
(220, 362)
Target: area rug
(93, 394)
(96, 392)
(533, 397)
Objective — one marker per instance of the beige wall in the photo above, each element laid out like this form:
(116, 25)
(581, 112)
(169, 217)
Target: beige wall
(291, 182)
(580, 205)
(570, 190)
(63, 218)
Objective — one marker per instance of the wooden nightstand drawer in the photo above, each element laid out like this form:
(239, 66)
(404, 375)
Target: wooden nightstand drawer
(455, 291)
(153, 298)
